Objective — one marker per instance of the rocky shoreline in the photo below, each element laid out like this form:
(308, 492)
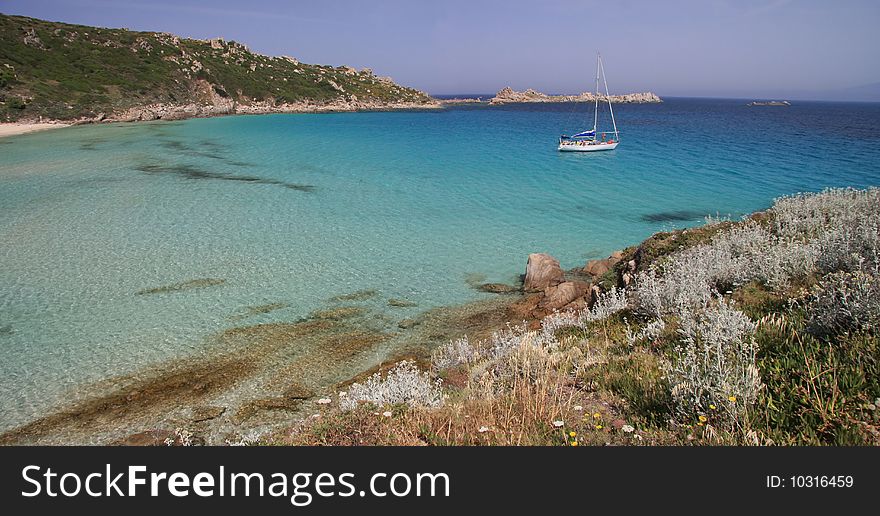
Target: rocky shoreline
(250, 384)
(227, 107)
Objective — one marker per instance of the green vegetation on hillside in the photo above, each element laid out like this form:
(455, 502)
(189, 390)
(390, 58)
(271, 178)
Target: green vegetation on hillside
(62, 71)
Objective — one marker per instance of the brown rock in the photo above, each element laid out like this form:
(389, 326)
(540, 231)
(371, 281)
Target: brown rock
(542, 271)
(525, 307)
(557, 296)
(597, 268)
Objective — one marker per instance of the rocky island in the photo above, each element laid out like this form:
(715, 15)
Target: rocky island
(52, 71)
(508, 96)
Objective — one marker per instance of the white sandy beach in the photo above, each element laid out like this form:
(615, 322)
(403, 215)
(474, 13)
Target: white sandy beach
(11, 129)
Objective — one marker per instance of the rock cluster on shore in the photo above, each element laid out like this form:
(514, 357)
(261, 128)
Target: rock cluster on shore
(508, 96)
(547, 287)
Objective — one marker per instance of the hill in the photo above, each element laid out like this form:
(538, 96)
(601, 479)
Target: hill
(58, 71)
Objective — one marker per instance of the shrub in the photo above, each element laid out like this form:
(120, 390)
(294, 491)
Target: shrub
(15, 103)
(455, 353)
(405, 384)
(605, 305)
(845, 302)
(714, 366)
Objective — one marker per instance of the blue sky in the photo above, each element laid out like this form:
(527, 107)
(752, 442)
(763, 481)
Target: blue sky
(724, 48)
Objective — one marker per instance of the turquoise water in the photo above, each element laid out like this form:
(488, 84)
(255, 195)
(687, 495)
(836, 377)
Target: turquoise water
(296, 209)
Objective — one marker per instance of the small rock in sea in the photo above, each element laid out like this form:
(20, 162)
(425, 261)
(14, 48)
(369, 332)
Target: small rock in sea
(401, 303)
(498, 288)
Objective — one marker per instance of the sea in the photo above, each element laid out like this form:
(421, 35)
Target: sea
(124, 246)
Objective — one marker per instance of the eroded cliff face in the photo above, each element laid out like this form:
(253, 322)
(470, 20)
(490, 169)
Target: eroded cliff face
(509, 95)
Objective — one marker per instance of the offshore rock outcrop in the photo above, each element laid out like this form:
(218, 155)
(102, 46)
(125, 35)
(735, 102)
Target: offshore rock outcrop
(509, 96)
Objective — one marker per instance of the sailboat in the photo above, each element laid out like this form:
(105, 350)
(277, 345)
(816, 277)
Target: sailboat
(586, 141)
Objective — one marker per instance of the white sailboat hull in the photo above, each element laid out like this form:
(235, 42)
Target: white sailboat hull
(575, 147)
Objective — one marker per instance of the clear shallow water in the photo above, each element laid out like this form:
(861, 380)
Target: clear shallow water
(296, 209)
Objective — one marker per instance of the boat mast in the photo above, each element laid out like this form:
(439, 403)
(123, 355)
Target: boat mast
(596, 110)
(607, 97)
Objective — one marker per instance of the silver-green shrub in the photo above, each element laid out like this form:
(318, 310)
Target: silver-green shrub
(714, 365)
(405, 383)
(845, 302)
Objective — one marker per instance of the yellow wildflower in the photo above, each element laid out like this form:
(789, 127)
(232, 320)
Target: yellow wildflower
(598, 427)
(597, 415)
(574, 443)
(572, 434)
(703, 418)
(712, 406)
(732, 399)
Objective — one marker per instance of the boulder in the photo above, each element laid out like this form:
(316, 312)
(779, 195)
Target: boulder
(542, 271)
(597, 268)
(558, 296)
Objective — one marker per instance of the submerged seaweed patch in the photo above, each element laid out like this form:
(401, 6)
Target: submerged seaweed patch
(259, 310)
(360, 295)
(184, 285)
(673, 216)
(401, 303)
(208, 150)
(337, 314)
(191, 172)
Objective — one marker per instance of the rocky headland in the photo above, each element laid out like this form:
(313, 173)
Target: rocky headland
(51, 71)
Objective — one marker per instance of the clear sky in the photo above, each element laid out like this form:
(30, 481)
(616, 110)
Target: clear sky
(723, 48)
